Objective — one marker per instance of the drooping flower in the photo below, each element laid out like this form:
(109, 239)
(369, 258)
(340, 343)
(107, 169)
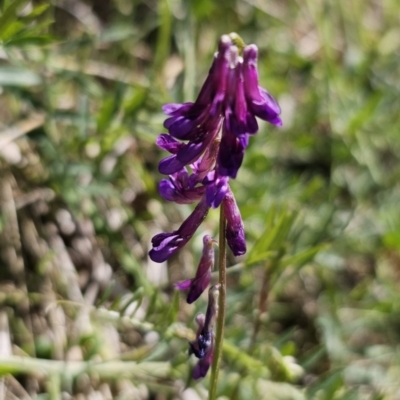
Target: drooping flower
(203, 346)
(200, 282)
(259, 100)
(234, 225)
(203, 365)
(167, 244)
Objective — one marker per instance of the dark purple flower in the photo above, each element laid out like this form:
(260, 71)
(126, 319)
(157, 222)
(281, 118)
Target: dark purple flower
(238, 119)
(231, 153)
(203, 365)
(167, 244)
(260, 102)
(206, 163)
(202, 279)
(203, 346)
(188, 153)
(234, 225)
(192, 121)
(217, 187)
(178, 188)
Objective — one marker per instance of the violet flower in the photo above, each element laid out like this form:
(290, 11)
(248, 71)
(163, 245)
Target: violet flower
(167, 244)
(203, 346)
(202, 367)
(200, 282)
(260, 102)
(234, 225)
(178, 188)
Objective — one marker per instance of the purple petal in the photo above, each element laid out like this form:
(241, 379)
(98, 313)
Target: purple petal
(260, 102)
(267, 108)
(202, 367)
(239, 120)
(172, 108)
(231, 153)
(220, 75)
(203, 273)
(217, 187)
(198, 286)
(190, 225)
(172, 191)
(179, 127)
(184, 285)
(234, 227)
(191, 152)
(203, 165)
(168, 143)
(168, 243)
(170, 165)
(165, 245)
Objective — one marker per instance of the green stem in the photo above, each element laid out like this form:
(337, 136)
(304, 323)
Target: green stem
(219, 337)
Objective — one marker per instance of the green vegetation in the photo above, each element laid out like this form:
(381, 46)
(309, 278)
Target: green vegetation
(313, 308)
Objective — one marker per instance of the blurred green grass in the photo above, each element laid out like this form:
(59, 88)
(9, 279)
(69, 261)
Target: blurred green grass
(313, 308)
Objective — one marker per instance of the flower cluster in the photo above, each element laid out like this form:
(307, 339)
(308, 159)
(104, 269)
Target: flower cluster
(210, 137)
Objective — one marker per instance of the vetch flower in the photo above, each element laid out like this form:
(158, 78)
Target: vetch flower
(234, 225)
(188, 153)
(203, 365)
(217, 187)
(200, 282)
(167, 244)
(260, 102)
(192, 121)
(179, 188)
(203, 346)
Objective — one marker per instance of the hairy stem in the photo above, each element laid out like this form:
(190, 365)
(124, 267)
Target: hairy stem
(219, 337)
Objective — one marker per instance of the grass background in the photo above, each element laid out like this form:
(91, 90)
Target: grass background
(313, 308)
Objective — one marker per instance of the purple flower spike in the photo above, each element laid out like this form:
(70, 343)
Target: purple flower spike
(260, 102)
(210, 137)
(199, 283)
(167, 244)
(234, 225)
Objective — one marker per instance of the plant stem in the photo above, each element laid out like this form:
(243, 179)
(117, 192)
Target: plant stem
(219, 337)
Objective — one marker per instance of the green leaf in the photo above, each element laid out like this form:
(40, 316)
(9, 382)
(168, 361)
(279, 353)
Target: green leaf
(274, 235)
(302, 257)
(38, 10)
(14, 76)
(30, 41)
(10, 15)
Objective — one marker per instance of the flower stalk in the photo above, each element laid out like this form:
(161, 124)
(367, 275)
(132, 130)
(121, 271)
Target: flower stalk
(222, 306)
